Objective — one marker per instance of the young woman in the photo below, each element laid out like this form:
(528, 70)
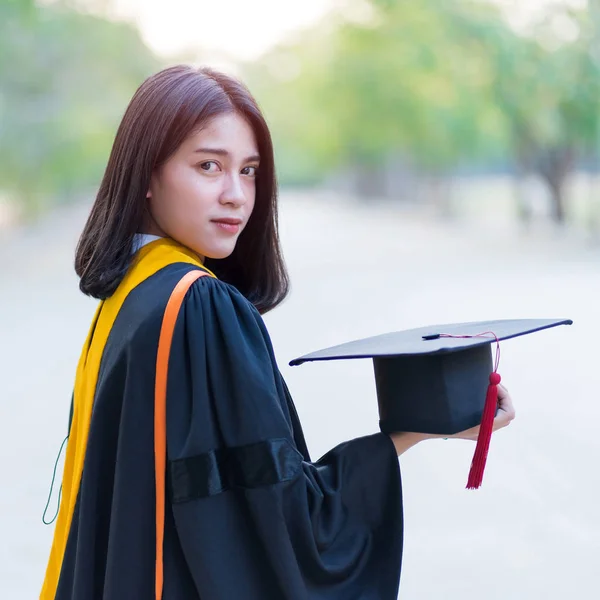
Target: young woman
(190, 190)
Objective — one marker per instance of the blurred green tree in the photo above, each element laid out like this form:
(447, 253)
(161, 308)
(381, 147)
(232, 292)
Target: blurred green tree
(440, 84)
(410, 88)
(546, 87)
(390, 79)
(65, 78)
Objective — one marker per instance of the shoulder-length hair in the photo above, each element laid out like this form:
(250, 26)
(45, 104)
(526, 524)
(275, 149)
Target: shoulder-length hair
(164, 111)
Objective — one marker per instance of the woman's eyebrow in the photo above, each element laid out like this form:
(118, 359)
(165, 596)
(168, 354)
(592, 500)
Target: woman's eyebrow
(222, 152)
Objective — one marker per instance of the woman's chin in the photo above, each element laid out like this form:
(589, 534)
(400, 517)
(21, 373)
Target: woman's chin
(217, 253)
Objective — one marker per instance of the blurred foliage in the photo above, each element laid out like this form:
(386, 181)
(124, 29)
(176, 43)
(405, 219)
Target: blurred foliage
(547, 88)
(426, 88)
(439, 84)
(65, 79)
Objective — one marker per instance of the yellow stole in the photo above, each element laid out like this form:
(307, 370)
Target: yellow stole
(148, 260)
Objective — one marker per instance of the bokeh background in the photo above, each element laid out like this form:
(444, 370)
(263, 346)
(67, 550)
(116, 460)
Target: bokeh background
(439, 161)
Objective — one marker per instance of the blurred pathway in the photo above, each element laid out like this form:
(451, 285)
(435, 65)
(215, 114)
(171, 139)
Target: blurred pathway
(532, 532)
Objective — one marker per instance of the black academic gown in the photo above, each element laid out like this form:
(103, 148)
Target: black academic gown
(248, 515)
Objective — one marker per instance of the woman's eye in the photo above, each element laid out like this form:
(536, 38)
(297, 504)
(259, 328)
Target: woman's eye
(206, 166)
(252, 171)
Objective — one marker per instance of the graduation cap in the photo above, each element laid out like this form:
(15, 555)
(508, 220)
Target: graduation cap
(441, 379)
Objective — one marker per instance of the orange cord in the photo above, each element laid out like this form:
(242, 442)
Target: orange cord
(160, 413)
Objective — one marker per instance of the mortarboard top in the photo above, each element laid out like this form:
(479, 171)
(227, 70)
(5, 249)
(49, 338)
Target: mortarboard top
(429, 382)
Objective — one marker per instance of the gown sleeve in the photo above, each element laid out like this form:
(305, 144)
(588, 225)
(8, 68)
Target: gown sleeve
(254, 517)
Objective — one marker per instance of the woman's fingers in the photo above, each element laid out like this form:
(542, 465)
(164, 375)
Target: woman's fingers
(506, 410)
(504, 416)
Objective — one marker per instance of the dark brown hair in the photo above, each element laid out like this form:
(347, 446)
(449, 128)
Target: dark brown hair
(164, 111)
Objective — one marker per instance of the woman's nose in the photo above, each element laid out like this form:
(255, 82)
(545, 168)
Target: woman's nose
(233, 192)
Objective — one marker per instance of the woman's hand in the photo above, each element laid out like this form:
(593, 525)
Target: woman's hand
(506, 413)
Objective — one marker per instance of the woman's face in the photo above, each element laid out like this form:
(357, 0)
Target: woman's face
(204, 194)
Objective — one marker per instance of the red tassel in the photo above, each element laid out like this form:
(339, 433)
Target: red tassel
(485, 434)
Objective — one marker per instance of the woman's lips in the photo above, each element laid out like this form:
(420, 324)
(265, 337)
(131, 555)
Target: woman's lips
(228, 225)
